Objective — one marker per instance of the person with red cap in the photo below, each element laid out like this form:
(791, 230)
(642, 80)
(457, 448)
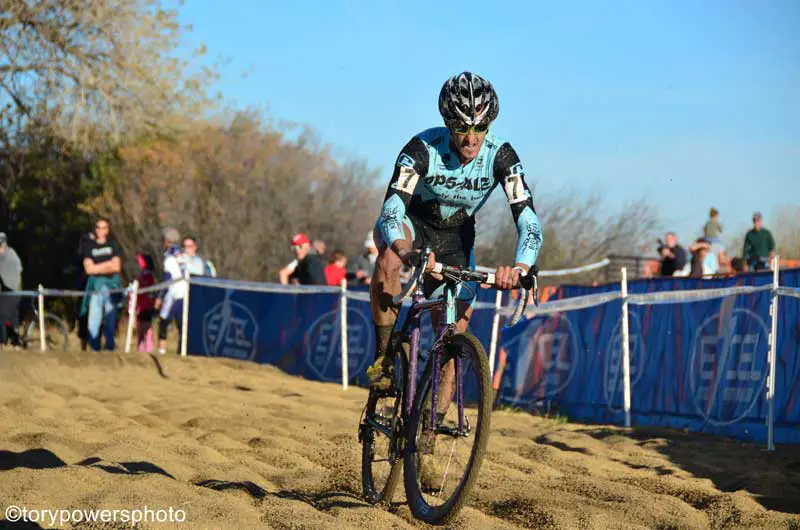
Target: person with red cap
(308, 268)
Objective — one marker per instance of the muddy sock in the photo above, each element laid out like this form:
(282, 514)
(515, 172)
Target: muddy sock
(382, 336)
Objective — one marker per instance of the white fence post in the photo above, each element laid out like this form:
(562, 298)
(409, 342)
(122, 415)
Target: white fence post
(42, 336)
(185, 316)
(626, 349)
(343, 335)
(495, 331)
(773, 350)
(131, 314)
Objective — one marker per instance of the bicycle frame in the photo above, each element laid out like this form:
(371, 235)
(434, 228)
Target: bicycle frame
(447, 327)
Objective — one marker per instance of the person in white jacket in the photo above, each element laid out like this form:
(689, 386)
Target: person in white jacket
(178, 265)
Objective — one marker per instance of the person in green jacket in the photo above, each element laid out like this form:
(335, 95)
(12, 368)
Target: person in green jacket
(102, 261)
(759, 246)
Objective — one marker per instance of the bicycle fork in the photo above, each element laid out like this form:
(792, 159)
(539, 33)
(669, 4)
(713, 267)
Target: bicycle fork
(436, 352)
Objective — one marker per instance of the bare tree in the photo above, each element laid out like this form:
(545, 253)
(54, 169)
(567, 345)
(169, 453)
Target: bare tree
(576, 232)
(89, 71)
(243, 190)
(786, 230)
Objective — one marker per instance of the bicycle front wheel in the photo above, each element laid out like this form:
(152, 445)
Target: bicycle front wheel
(443, 455)
(56, 334)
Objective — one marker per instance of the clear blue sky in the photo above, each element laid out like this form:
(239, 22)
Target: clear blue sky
(691, 104)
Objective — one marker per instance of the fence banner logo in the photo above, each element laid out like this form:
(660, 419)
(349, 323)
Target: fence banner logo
(729, 365)
(614, 380)
(323, 344)
(546, 359)
(230, 330)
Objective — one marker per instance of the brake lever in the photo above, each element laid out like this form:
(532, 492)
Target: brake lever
(420, 261)
(527, 283)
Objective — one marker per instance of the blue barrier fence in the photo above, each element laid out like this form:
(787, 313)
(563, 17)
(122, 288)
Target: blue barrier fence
(296, 329)
(699, 364)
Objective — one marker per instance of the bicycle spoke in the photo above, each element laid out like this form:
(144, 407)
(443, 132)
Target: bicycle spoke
(446, 459)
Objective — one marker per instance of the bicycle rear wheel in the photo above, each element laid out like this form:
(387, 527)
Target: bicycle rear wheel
(56, 334)
(381, 435)
(442, 463)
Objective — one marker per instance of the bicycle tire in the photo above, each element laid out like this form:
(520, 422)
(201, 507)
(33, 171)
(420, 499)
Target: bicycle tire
(374, 492)
(467, 346)
(56, 334)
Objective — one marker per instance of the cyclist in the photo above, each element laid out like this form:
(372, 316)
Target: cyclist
(442, 177)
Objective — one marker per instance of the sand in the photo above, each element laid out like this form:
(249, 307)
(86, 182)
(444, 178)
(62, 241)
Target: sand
(239, 445)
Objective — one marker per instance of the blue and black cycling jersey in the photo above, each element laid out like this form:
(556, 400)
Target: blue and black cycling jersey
(429, 183)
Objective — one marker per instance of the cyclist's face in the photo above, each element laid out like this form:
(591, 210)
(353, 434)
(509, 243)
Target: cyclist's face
(468, 141)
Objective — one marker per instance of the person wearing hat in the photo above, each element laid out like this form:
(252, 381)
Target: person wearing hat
(11, 280)
(759, 245)
(363, 266)
(308, 267)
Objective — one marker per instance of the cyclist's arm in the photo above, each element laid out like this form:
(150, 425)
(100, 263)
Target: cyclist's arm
(509, 174)
(410, 169)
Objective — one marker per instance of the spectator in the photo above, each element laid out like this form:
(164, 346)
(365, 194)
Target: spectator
(738, 265)
(320, 248)
(195, 264)
(673, 257)
(183, 262)
(145, 303)
(102, 261)
(11, 280)
(335, 271)
(309, 269)
(704, 262)
(171, 242)
(712, 230)
(759, 246)
(363, 266)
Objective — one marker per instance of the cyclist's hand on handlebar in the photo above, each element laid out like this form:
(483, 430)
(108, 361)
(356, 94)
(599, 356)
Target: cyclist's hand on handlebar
(507, 278)
(412, 258)
(406, 254)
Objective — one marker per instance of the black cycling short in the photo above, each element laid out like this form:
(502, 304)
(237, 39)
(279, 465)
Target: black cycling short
(452, 246)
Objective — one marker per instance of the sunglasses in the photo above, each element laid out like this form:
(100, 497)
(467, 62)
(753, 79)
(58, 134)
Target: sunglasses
(465, 129)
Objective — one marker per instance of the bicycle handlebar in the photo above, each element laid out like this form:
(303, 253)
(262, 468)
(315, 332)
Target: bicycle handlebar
(527, 284)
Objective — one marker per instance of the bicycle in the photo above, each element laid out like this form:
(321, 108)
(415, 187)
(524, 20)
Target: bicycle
(27, 335)
(402, 425)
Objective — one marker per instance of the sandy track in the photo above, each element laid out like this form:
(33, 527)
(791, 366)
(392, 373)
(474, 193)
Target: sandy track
(239, 445)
